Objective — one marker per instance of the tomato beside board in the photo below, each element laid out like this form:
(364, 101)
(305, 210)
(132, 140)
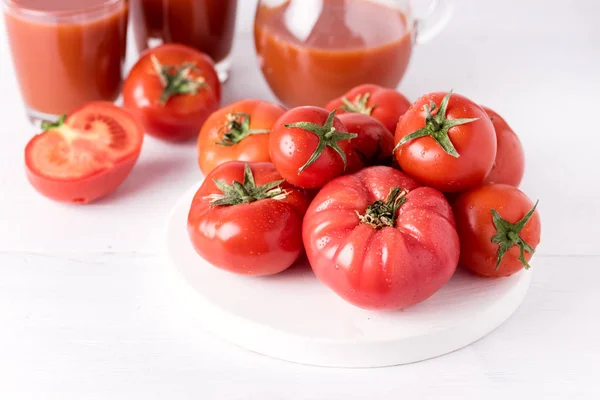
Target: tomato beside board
(309, 146)
(86, 155)
(245, 219)
(509, 165)
(499, 229)
(172, 89)
(379, 240)
(384, 104)
(446, 141)
(238, 132)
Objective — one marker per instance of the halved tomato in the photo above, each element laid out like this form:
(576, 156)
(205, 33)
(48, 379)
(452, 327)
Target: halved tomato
(86, 155)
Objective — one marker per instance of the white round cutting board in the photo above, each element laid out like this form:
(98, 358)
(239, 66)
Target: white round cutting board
(293, 317)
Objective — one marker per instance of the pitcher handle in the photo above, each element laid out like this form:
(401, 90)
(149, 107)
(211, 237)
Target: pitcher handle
(434, 21)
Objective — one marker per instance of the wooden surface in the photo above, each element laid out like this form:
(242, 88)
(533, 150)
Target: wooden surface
(87, 312)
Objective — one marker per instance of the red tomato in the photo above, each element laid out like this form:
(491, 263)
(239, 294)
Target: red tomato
(383, 104)
(85, 156)
(308, 146)
(374, 144)
(379, 240)
(239, 132)
(172, 89)
(499, 229)
(446, 141)
(246, 219)
(509, 165)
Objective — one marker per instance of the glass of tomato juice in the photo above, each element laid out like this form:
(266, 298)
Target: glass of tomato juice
(312, 51)
(206, 25)
(66, 52)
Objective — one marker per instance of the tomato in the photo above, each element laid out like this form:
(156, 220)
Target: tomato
(172, 89)
(499, 229)
(86, 155)
(383, 104)
(308, 146)
(446, 141)
(509, 165)
(374, 144)
(247, 220)
(239, 131)
(379, 240)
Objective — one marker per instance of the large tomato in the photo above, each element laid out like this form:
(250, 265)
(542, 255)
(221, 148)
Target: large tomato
(374, 144)
(172, 89)
(384, 104)
(499, 229)
(309, 146)
(85, 156)
(239, 132)
(246, 219)
(509, 165)
(379, 240)
(446, 141)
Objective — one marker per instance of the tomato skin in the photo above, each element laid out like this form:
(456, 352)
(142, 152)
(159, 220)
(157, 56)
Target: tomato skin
(291, 148)
(374, 144)
(85, 190)
(182, 115)
(425, 160)
(388, 104)
(509, 166)
(475, 227)
(253, 148)
(259, 238)
(388, 268)
(94, 183)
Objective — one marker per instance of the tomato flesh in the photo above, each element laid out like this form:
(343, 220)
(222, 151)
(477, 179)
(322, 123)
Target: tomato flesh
(87, 157)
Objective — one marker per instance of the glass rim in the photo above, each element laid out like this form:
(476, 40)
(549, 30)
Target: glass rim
(77, 14)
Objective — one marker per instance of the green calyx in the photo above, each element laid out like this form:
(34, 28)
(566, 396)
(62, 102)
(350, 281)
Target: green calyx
(177, 79)
(383, 213)
(49, 125)
(359, 105)
(246, 192)
(328, 137)
(437, 126)
(508, 235)
(237, 128)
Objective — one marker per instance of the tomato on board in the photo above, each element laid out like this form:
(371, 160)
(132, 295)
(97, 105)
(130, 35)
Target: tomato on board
(384, 104)
(509, 165)
(379, 240)
(86, 155)
(309, 146)
(446, 141)
(499, 229)
(374, 144)
(239, 132)
(247, 220)
(172, 89)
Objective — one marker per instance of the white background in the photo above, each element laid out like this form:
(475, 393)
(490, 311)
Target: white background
(88, 309)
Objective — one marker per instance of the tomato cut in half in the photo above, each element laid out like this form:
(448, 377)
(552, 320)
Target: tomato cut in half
(86, 155)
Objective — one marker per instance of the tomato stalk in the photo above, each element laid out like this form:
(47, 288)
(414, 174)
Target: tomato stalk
(383, 213)
(245, 192)
(49, 125)
(237, 128)
(438, 126)
(328, 137)
(508, 235)
(359, 105)
(177, 79)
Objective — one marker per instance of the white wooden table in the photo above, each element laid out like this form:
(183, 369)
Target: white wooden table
(88, 311)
